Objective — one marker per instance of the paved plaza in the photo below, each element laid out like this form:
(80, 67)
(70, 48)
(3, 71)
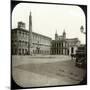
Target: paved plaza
(45, 70)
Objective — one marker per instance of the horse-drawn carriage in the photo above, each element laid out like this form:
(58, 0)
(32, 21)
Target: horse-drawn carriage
(81, 56)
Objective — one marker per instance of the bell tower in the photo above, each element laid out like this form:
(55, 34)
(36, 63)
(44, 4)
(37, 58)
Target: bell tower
(56, 35)
(64, 34)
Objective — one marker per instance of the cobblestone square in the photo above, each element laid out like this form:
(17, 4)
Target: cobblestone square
(45, 70)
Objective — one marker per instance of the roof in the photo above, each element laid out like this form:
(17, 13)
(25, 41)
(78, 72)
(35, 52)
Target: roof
(58, 40)
(25, 30)
(73, 39)
(41, 35)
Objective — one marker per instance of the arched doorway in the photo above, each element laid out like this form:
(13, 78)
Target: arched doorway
(38, 50)
(68, 51)
(72, 50)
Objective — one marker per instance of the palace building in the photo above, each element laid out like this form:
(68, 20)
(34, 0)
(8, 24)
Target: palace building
(27, 42)
(24, 42)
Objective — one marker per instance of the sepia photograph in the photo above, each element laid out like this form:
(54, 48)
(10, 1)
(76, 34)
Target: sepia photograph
(48, 44)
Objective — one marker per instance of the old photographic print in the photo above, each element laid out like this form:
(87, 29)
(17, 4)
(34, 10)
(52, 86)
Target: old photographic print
(48, 44)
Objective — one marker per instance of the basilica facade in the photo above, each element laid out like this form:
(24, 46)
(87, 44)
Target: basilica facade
(64, 46)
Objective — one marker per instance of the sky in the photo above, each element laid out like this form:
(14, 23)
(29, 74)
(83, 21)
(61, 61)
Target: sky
(49, 18)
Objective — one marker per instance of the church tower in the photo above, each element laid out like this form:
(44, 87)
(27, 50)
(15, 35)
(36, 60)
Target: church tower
(30, 34)
(64, 34)
(56, 35)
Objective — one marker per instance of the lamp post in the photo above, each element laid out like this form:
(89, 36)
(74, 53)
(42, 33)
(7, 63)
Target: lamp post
(82, 30)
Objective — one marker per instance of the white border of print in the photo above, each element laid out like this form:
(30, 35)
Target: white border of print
(5, 44)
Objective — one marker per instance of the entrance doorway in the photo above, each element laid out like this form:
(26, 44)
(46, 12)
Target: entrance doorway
(68, 52)
(72, 50)
(38, 50)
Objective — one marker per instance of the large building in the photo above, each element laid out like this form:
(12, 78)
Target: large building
(25, 42)
(64, 46)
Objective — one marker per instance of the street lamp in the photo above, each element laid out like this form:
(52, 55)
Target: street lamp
(82, 30)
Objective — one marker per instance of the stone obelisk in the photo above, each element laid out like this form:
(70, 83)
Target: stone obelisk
(30, 35)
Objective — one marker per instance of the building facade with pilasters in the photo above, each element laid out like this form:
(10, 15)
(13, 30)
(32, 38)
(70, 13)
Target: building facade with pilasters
(27, 42)
(59, 47)
(63, 46)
